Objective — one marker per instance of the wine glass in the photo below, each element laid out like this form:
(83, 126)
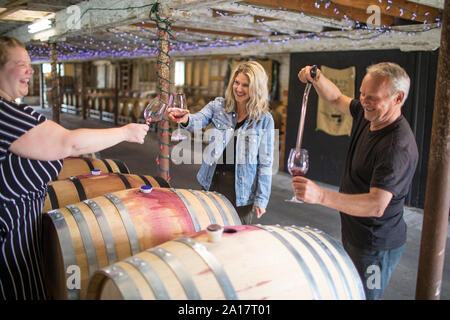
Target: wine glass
(179, 102)
(298, 164)
(156, 109)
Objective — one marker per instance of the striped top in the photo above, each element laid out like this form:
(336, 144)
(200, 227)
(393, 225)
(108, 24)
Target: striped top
(23, 188)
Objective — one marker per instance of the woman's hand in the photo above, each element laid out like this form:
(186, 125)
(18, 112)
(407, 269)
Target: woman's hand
(135, 132)
(178, 115)
(259, 211)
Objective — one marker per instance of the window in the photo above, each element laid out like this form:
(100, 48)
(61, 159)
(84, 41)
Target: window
(47, 68)
(179, 73)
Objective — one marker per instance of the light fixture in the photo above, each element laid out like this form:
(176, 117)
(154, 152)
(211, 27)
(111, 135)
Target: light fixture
(41, 25)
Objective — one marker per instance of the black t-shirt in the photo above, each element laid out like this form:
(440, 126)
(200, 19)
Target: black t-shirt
(384, 159)
(225, 166)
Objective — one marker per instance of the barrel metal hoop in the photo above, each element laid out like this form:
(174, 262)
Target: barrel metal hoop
(145, 180)
(214, 265)
(190, 208)
(52, 197)
(179, 270)
(231, 208)
(127, 222)
(85, 233)
(319, 259)
(219, 207)
(348, 262)
(108, 237)
(67, 248)
(126, 183)
(89, 163)
(121, 165)
(107, 165)
(79, 187)
(300, 261)
(152, 278)
(162, 182)
(121, 279)
(211, 216)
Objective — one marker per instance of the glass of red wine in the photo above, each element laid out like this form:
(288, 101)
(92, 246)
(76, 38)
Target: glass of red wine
(298, 164)
(156, 109)
(179, 102)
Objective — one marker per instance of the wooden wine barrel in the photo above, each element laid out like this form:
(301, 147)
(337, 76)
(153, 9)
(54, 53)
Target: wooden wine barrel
(98, 232)
(249, 262)
(90, 155)
(97, 105)
(138, 108)
(69, 98)
(90, 103)
(74, 166)
(75, 189)
(74, 99)
(110, 104)
(277, 119)
(79, 101)
(103, 104)
(281, 109)
(121, 106)
(127, 108)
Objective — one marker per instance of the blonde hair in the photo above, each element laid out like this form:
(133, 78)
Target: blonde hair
(397, 76)
(7, 43)
(258, 89)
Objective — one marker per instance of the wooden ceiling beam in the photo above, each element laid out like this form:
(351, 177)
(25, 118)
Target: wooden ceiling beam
(194, 4)
(13, 6)
(256, 19)
(197, 30)
(305, 22)
(221, 13)
(431, 3)
(400, 9)
(308, 7)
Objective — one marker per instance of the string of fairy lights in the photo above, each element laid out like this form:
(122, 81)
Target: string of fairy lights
(143, 41)
(119, 44)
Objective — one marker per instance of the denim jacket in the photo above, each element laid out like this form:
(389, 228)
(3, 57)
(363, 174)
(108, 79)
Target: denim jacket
(254, 148)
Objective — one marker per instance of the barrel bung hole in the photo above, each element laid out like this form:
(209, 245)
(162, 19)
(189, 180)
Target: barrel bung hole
(229, 230)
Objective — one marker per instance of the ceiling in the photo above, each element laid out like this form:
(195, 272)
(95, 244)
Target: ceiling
(113, 29)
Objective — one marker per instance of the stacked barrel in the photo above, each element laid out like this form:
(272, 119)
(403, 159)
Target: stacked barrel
(250, 262)
(117, 235)
(71, 102)
(92, 220)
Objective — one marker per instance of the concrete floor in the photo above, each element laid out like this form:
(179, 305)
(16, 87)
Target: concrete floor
(141, 159)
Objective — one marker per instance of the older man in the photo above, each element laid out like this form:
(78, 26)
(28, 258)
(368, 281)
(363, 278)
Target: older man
(380, 165)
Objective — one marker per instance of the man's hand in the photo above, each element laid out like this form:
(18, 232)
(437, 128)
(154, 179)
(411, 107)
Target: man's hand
(306, 190)
(304, 75)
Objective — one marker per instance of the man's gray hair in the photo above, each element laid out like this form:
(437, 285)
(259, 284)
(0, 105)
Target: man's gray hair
(400, 80)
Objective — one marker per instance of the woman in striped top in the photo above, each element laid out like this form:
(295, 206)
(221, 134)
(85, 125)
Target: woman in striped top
(31, 153)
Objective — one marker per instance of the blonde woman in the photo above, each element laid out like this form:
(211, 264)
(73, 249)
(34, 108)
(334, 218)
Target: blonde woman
(238, 161)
